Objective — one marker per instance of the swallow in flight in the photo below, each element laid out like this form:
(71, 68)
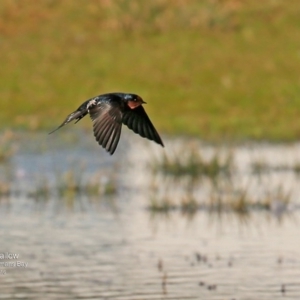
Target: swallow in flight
(108, 112)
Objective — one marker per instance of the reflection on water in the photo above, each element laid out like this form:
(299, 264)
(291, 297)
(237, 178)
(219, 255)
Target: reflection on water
(106, 244)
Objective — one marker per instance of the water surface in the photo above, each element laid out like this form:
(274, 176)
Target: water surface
(110, 246)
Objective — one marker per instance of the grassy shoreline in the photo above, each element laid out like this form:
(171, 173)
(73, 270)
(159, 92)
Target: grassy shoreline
(226, 70)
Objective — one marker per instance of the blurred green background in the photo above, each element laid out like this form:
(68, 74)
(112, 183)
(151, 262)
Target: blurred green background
(215, 69)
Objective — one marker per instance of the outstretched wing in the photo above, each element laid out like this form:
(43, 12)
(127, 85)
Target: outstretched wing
(107, 124)
(137, 120)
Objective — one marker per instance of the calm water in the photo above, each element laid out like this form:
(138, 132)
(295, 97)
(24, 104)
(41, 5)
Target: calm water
(112, 247)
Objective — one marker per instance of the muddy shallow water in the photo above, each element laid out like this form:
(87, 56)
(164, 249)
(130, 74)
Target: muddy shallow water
(96, 246)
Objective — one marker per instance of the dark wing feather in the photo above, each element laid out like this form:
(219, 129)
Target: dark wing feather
(137, 120)
(107, 124)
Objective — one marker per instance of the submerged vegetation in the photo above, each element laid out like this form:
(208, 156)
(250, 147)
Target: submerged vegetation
(72, 184)
(7, 147)
(191, 176)
(261, 167)
(220, 67)
(192, 183)
(190, 162)
(239, 201)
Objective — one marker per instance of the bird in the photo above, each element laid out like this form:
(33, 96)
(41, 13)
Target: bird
(108, 112)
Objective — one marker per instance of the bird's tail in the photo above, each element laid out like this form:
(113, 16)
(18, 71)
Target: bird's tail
(76, 115)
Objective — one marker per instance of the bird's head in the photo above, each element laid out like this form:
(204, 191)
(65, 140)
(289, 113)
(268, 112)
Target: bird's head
(133, 100)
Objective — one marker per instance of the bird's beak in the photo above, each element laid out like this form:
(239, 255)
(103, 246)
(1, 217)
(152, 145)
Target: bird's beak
(141, 101)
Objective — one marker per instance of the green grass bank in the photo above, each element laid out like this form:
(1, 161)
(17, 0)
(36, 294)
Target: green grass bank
(213, 69)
